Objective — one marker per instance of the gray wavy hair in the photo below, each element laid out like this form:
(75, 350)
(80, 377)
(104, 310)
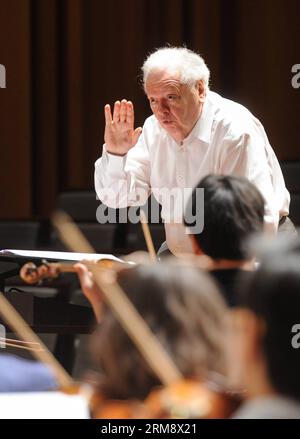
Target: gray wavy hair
(190, 66)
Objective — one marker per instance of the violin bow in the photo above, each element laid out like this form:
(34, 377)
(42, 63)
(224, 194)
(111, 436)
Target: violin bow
(24, 332)
(135, 326)
(147, 236)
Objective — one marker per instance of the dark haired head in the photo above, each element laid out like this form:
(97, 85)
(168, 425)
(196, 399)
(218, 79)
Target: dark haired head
(183, 309)
(273, 295)
(233, 211)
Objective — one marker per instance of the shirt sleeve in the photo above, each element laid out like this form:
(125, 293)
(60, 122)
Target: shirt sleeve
(124, 181)
(21, 375)
(246, 155)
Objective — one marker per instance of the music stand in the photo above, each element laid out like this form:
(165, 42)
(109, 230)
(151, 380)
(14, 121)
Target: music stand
(52, 315)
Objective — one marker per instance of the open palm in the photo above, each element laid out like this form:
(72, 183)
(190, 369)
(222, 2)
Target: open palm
(120, 135)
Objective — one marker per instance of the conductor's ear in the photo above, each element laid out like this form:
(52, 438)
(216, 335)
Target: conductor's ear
(201, 90)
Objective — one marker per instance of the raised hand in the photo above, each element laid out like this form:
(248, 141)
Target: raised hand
(120, 135)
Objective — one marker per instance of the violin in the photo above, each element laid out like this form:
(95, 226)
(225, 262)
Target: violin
(33, 274)
(193, 399)
(184, 399)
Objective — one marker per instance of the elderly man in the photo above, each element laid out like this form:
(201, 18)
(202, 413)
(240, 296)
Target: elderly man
(193, 132)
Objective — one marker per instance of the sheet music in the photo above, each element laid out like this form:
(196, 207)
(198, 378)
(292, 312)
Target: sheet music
(58, 256)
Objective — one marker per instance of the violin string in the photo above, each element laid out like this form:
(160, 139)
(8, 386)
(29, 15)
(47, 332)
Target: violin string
(26, 348)
(16, 322)
(12, 340)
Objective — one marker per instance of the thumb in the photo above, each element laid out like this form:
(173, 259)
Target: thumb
(136, 134)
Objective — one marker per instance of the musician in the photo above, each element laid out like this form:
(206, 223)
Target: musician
(193, 132)
(264, 354)
(182, 307)
(233, 212)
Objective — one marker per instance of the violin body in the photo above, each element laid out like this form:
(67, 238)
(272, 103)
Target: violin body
(184, 399)
(118, 409)
(192, 399)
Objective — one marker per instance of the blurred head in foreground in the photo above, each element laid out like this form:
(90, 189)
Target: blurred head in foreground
(185, 312)
(264, 343)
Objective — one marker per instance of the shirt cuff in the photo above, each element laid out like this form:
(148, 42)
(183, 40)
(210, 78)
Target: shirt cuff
(114, 162)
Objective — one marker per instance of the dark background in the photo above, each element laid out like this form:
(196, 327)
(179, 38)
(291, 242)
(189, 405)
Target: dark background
(65, 59)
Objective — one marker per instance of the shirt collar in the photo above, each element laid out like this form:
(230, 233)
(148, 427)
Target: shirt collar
(203, 126)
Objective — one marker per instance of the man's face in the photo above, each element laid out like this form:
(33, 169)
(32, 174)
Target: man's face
(176, 106)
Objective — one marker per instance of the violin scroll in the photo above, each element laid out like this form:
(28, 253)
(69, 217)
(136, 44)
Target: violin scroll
(32, 274)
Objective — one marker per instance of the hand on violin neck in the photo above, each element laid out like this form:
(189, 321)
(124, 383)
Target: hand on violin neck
(89, 288)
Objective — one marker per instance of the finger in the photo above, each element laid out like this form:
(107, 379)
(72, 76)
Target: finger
(85, 278)
(123, 111)
(80, 268)
(116, 116)
(107, 113)
(130, 114)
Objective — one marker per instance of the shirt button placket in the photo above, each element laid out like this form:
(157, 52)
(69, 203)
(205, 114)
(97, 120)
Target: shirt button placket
(180, 176)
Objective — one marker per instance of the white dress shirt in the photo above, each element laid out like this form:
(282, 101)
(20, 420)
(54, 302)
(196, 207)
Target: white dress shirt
(227, 139)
